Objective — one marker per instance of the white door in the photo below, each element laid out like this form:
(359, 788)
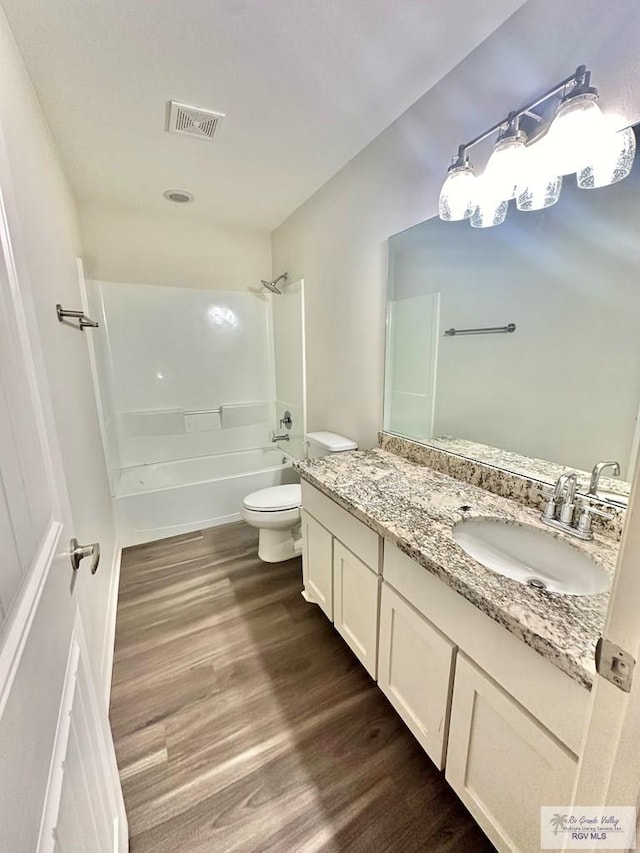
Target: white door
(59, 788)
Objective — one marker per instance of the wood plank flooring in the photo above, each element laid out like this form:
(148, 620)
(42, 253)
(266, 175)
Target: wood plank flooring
(243, 723)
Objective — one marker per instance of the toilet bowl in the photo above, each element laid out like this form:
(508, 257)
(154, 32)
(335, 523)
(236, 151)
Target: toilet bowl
(276, 511)
(276, 514)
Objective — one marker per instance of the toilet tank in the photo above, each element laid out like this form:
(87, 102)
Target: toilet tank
(322, 443)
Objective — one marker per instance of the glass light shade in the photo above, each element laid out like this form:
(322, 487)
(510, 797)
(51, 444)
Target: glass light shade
(458, 194)
(610, 159)
(491, 210)
(539, 186)
(577, 123)
(505, 165)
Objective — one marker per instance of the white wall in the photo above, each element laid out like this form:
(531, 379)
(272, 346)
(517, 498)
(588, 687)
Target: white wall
(50, 238)
(179, 249)
(337, 239)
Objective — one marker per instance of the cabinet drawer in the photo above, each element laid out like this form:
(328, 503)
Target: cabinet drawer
(415, 672)
(317, 564)
(503, 764)
(360, 539)
(356, 594)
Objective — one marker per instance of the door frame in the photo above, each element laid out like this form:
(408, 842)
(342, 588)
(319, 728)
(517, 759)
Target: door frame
(609, 768)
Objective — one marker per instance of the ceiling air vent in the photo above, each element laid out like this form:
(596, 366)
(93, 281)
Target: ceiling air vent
(193, 121)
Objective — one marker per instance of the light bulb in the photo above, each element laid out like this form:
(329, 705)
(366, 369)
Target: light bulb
(577, 123)
(505, 164)
(610, 157)
(491, 209)
(539, 186)
(458, 195)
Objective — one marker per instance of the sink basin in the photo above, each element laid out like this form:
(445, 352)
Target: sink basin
(530, 556)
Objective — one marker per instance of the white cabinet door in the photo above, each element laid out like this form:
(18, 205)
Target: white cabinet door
(502, 763)
(317, 564)
(415, 672)
(356, 592)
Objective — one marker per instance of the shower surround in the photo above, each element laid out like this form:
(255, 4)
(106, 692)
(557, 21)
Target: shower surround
(187, 385)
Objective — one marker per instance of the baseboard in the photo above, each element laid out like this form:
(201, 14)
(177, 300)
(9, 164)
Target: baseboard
(108, 645)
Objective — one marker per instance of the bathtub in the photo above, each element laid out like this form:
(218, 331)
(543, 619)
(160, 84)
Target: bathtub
(168, 498)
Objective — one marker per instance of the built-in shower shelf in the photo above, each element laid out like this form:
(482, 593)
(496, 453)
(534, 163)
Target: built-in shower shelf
(178, 421)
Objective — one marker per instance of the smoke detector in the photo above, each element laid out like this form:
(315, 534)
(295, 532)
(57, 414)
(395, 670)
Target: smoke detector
(193, 121)
(179, 196)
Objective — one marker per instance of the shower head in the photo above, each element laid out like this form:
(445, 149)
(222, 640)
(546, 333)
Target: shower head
(273, 285)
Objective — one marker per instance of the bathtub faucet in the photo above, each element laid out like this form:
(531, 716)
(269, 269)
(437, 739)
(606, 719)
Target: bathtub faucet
(276, 437)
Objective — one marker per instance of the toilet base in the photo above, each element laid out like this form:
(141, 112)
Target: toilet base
(276, 546)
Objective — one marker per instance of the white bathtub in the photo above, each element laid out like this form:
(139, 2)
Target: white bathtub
(168, 498)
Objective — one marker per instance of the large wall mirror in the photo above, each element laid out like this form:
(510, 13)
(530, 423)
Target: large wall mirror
(564, 387)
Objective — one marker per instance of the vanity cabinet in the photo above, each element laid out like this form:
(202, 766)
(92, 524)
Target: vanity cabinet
(502, 763)
(355, 605)
(317, 563)
(341, 560)
(504, 723)
(415, 671)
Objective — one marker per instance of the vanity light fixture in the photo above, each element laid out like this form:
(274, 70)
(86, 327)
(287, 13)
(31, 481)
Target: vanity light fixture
(610, 161)
(577, 124)
(490, 208)
(505, 164)
(565, 133)
(539, 185)
(458, 194)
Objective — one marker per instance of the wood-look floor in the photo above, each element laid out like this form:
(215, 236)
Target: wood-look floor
(243, 723)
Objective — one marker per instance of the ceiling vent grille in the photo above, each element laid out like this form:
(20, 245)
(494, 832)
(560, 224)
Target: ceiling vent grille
(193, 121)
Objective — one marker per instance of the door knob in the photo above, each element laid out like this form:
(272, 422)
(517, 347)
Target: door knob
(79, 552)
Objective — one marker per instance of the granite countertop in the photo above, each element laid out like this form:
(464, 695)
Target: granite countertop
(415, 508)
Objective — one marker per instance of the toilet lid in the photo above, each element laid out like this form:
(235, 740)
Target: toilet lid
(274, 499)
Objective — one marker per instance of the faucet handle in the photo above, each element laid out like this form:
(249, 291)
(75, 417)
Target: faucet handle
(588, 510)
(549, 510)
(592, 510)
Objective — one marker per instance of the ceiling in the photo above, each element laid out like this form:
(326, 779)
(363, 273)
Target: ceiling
(305, 85)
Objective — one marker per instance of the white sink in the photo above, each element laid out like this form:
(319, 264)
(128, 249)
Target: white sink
(530, 556)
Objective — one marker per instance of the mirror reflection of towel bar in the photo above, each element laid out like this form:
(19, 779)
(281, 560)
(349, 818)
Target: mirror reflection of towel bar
(488, 330)
(80, 316)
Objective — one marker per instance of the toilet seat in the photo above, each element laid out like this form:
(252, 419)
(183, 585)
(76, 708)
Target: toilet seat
(274, 499)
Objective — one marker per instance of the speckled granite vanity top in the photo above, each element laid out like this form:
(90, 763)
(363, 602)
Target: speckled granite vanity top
(415, 508)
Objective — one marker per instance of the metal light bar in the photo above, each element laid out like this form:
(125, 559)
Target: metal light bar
(579, 78)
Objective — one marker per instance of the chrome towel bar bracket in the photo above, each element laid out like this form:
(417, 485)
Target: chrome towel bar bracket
(488, 330)
(80, 316)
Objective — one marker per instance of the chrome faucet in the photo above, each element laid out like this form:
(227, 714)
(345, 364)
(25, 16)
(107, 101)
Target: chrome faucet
(284, 437)
(598, 468)
(560, 508)
(561, 502)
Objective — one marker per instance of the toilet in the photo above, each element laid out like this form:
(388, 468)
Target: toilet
(276, 511)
